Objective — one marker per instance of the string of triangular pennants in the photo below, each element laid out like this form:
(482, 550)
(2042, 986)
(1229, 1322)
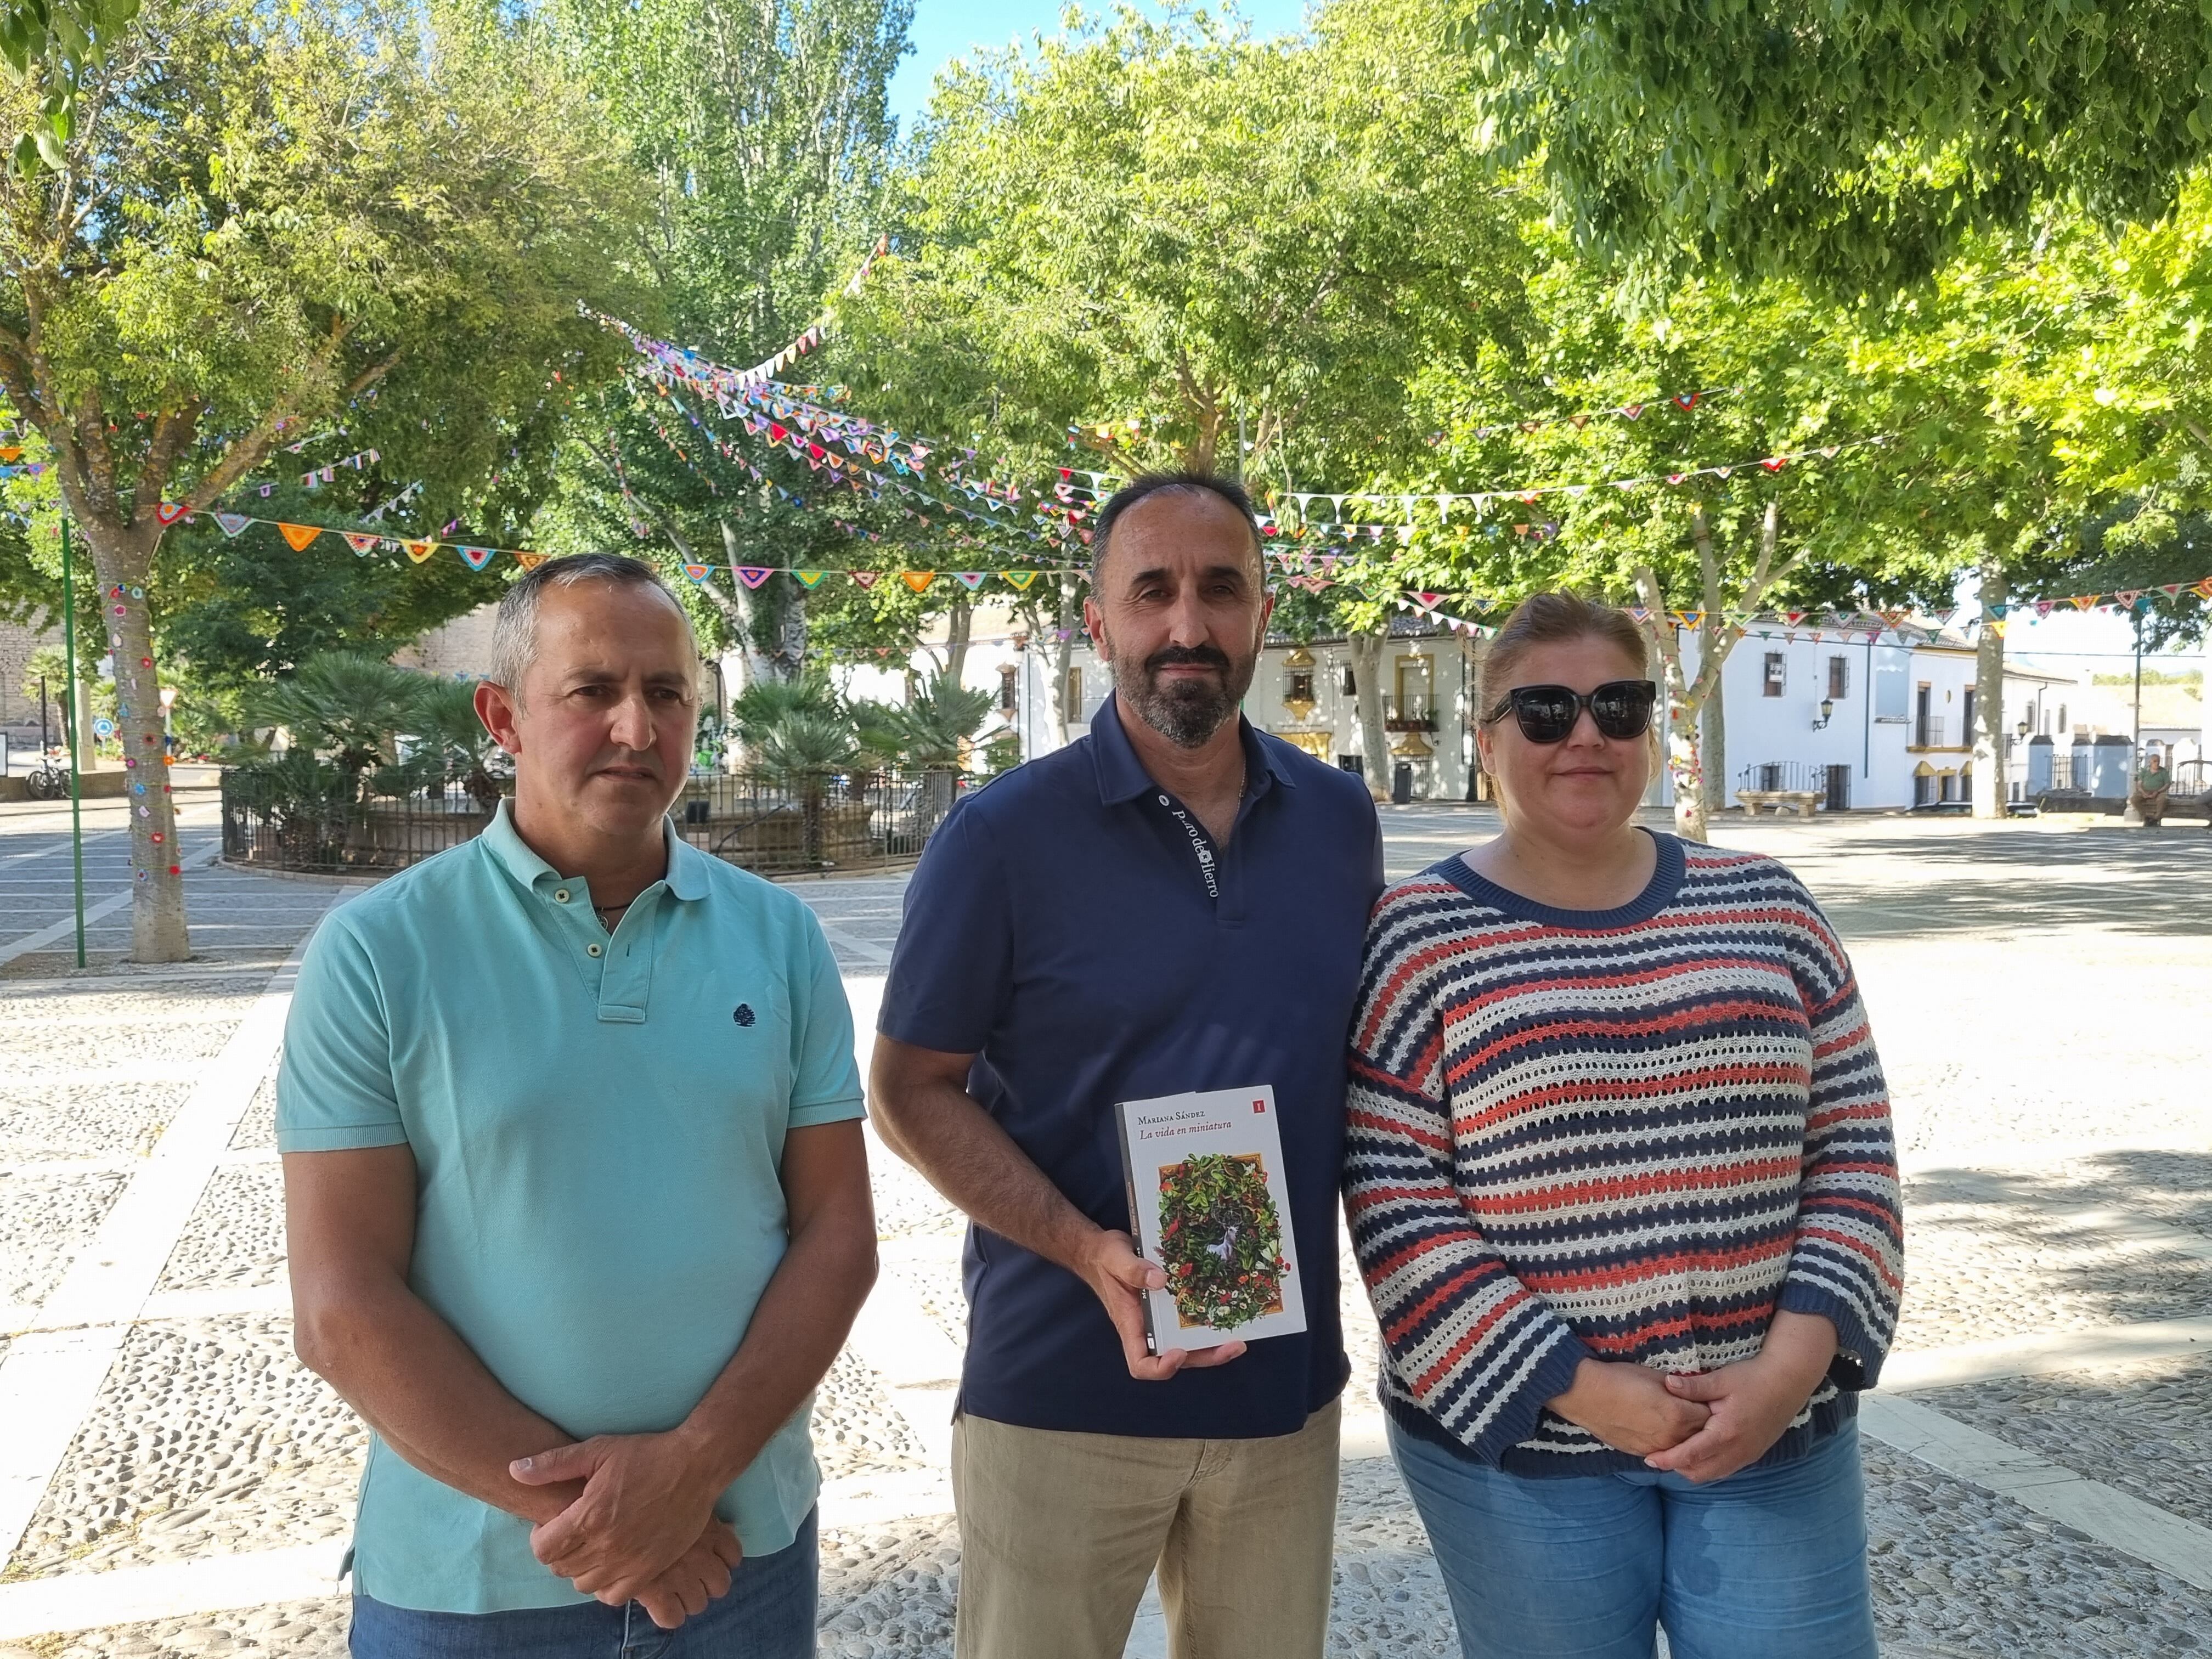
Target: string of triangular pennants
(1101, 434)
(419, 550)
(1063, 513)
(806, 445)
(790, 418)
(1816, 624)
(1684, 401)
(691, 365)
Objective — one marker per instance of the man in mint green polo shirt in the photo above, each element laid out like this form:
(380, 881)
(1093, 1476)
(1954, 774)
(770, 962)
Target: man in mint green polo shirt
(575, 1187)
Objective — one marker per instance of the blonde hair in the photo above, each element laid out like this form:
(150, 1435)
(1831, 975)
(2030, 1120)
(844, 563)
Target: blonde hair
(1550, 619)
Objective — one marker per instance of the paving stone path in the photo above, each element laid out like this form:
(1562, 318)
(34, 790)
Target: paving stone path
(172, 1482)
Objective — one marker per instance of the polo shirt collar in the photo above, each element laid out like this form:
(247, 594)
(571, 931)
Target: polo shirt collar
(686, 876)
(1122, 777)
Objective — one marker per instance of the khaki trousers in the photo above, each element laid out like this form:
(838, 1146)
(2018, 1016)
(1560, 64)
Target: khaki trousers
(1059, 1533)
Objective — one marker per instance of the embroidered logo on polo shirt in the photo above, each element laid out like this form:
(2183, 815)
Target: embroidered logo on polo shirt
(743, 1013)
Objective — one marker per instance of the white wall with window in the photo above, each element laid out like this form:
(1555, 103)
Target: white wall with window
(1862, 723)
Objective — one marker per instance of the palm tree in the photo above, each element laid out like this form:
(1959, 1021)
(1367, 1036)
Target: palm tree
(764, 704)
(344, 704)
(446, 726)
(800, 749)
(931, 729)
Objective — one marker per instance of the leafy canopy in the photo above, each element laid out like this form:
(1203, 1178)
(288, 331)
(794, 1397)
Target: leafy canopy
(1855, 143)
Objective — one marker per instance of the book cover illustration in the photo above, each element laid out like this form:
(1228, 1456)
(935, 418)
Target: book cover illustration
(1209, 1203)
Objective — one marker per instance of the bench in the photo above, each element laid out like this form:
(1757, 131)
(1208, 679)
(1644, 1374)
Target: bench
(1780, 799)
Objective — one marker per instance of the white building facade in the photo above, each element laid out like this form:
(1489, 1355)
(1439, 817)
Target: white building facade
(1880, 723)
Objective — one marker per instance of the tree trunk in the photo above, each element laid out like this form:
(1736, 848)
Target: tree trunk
(1712, 751)
(1682, 744)
(1062, 659)
(959, 623)
(80, 706)
(1712, 712)
(791, 627)
(1686, 697)
(1988, 733)
(759, 664)
(1374, 742)
(121, 560)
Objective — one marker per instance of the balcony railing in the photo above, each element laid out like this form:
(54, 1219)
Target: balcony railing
(1931, 731)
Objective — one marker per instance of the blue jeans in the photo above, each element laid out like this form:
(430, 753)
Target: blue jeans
(1769, 1564)
(768, 1614)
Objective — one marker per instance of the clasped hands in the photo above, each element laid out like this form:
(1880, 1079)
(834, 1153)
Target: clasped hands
(644, 1527)
(1708, 1425)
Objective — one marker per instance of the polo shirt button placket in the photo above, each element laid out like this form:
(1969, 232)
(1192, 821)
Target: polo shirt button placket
(560, 895)
(592, 949)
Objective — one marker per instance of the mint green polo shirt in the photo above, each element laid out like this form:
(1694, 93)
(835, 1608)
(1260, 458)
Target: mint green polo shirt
(598, 1126)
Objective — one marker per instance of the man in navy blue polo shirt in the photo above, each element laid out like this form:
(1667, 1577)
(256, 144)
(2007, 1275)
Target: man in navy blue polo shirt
(1175, 902)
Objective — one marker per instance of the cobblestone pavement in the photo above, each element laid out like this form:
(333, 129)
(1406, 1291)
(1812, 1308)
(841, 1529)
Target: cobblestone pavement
(172, 1482)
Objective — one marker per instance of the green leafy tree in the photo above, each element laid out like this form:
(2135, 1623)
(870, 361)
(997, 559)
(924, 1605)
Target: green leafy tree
(1583, 399)
(764, 129)
(275, 221)
(1856, 145)
(1146, 245)
(1166, 240)
(48, 49)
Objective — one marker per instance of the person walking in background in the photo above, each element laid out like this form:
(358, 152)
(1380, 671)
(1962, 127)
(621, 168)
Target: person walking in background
(2152, 785)
(1173, 904)
(1621, 1181)
(575, 1190)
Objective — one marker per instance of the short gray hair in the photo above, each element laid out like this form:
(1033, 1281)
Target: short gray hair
(514, 631)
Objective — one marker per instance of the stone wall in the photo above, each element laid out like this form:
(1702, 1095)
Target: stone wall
(19, 709)
(462, 647)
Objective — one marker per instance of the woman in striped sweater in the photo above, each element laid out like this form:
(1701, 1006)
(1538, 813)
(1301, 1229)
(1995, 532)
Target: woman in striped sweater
(1621, 1178)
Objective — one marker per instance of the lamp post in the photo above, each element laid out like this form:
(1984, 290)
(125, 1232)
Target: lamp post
(77, 738)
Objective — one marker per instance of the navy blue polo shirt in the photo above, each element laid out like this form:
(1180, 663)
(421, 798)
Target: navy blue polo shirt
(1072, 926)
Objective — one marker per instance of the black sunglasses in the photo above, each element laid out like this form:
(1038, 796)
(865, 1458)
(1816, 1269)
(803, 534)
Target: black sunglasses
(1620, 709)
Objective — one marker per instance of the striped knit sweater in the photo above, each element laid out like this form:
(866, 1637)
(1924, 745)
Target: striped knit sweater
(1627, 1134)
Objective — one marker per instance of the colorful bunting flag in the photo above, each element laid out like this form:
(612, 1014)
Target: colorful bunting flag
(1020, 580)
(919, 580)
(810, 578)
(476, 557)
(420, 547)
(970, 579)
(532, 561)
(360, 541)
(752, 575)
(699, 573)
(167, 512)
(299, 535)
(232, 523)
(865, 578)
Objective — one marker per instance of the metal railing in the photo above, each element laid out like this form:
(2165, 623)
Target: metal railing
(1830, 780)
(1931, 731)
(1785, 774)
(813, 823)
(817, 822)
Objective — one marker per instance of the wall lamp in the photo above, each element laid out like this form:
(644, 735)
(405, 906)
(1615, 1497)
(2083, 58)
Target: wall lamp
(1827, 710)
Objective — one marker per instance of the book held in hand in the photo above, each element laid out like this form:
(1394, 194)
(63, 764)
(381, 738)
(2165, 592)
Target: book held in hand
(1208, 1203)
